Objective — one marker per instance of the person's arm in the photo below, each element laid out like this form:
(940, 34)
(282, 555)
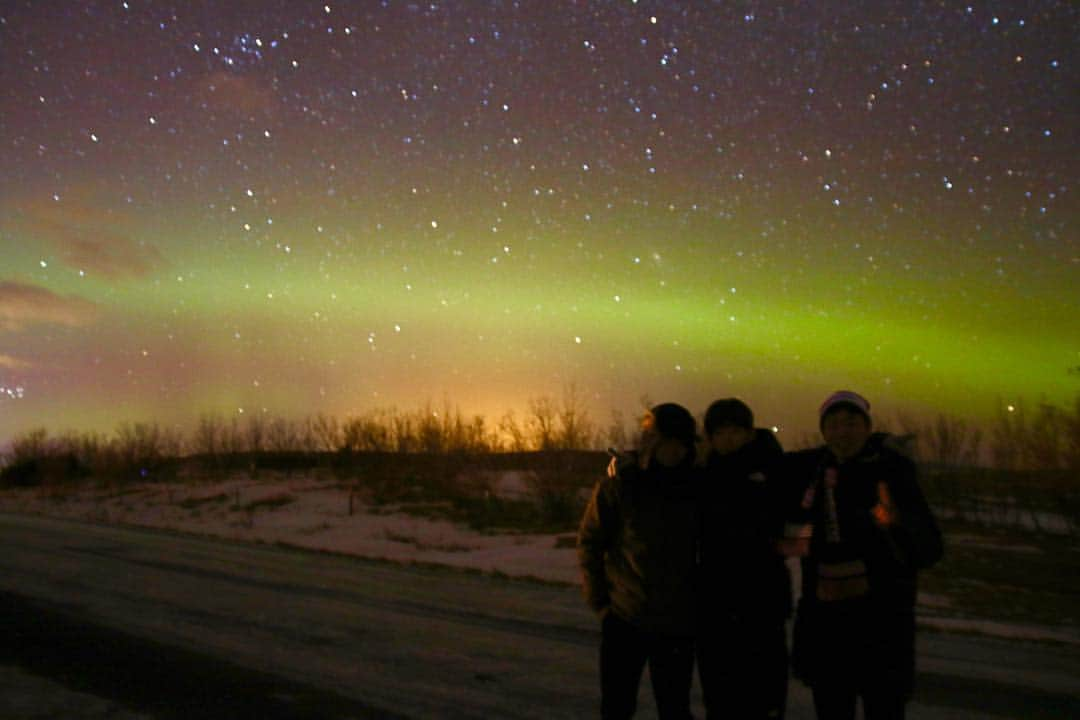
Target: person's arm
(797, 490)
(595, 536)
(776, 496)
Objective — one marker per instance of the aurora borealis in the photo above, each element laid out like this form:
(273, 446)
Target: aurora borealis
(299, 207)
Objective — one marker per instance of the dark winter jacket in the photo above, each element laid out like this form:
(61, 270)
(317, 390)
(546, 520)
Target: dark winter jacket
(637, 546)
(877, 627)
(743, 575)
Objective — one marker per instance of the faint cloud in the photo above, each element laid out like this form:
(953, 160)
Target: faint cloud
(111, 256)
(234, 94)
(8, 362)
(88, 236)
(24, 305)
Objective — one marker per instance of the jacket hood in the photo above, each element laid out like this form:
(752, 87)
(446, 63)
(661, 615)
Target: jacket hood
(765, 441)
(900, 444)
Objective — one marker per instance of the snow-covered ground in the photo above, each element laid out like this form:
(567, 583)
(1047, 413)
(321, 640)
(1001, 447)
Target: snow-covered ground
(312, 513)
(319, 513)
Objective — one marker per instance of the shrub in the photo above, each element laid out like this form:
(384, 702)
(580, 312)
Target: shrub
(272, 502)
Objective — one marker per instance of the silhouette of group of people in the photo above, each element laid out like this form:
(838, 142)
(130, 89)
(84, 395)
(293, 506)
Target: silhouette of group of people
(683, 550)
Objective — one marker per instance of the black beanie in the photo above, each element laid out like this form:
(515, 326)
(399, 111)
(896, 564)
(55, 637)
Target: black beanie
(674, 421)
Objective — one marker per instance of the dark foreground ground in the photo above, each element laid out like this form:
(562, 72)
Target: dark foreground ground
(56, 667)
(53, 666)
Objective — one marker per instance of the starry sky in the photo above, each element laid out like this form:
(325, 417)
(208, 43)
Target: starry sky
(292, 207)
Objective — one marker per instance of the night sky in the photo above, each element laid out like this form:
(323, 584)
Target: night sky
(292, 207)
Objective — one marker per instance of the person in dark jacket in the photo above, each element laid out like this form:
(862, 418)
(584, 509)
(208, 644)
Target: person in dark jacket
(870, 531)
(637, 547)
(745, 596)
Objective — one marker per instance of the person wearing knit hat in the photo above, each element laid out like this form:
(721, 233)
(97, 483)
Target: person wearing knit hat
(637, 548)
(844, 399)
(844, 420)
(868, 532)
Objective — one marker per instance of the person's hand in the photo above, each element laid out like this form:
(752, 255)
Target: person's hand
(795, 542)
(620, 463)
(793, 547)
(884, 513)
